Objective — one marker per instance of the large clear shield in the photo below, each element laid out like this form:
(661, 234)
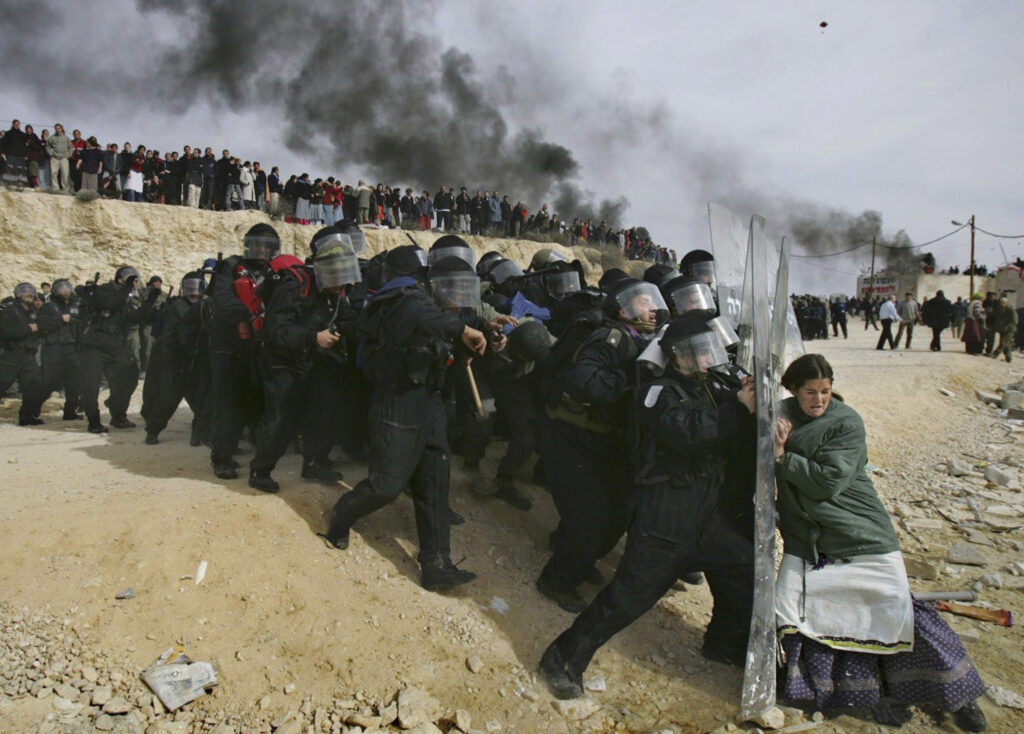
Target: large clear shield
(729, 239)
(759, 673)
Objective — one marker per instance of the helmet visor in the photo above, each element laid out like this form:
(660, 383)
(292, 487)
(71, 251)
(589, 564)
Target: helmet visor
(336, 263)
(192, 287)
(693, 296)
(697, 353)
(62, 288)
(704, 272)
(261, 249)
(24, 289)
(463, 253)
(504, 270)
(458, 289)
(642, 302)
(723, 328)
(562, 284)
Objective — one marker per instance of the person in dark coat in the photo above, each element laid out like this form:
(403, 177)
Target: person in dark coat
(19, 339)
(678, 524)
(59, 321)
(937, 314)
(407, 344)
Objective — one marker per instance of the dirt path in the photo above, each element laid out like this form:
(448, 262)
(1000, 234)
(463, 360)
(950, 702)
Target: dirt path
(293, 626)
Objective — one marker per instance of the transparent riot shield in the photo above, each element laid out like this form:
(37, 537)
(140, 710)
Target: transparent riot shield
(729, 240)
(759, 673)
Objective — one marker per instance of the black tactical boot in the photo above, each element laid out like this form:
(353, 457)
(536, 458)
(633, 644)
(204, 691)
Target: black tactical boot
(441, 575)
(28, 420)
(121, 422)
(320, 472)
(508, 491)
(152, 439)
(567, 599)
(563, 682)
(226, 470)
(263, 482)
(97, 427)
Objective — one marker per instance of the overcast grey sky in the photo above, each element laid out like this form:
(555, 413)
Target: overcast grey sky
(911, 109)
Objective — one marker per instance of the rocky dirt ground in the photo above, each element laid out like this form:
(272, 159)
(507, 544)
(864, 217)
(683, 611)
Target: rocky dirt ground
(307, 639)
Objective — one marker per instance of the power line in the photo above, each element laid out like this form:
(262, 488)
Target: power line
(1000, 236)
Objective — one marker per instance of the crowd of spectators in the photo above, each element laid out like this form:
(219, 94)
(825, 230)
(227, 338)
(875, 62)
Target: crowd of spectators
(196, 177)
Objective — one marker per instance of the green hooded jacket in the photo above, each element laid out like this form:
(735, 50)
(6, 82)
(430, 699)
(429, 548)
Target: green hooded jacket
(827, 504)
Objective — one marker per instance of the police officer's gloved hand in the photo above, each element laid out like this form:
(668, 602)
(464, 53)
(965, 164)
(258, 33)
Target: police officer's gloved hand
(130, 281)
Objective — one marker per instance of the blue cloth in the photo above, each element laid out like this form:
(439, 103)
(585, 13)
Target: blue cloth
(520, 307)
(402, 281)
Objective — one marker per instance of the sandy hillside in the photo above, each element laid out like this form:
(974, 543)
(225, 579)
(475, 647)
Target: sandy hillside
(311, 639)
(48, 236)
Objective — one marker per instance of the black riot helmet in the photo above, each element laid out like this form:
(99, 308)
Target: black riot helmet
(685, 294)
(335, 264)
(501, 270)
(261, 243)
(451, 245)
(454, 283)
(123, 273)
(699, 265)
(23, 291)
(636, 303)
(610, 277)
(487, 261)
(658, 273)
(62, 288)
(407, 260)
(691, 346)
(352, 229)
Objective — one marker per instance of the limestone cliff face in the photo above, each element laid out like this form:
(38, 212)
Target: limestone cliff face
(47, 236)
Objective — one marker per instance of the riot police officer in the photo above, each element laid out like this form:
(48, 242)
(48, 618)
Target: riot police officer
(19, 339)
(678, 525)
(307, 316)
(169, 378)
(407, 346)
(583, 444)
(235, 390)
(112, 310)
(58, 324)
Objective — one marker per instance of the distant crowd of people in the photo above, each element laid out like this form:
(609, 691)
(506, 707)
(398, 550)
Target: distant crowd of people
(199, 179)
(976, 324)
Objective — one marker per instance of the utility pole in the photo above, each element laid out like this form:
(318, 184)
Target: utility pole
(972, 259)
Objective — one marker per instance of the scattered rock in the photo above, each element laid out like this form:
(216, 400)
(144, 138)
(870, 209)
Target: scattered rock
(65, 691)
(128, 593)
(116, 705)
(463, 720)
(921, 568)
(425, 727)
(289, 689)
(388, 713)
(64, 707)
(989, 398)
(474, 663)
(416, 706)
(1005, 697)
(947, 393)
(958, 468)
(90, 674)
(493, 726)
(992, 580)
(979, 538)
(1012, 399)
(292, 727)
(104, 722)
(924, 523)
(659, 660)
(101, 695)
(594, 684)
(773, 718)
(1000, 477)
(966, 554)
(577, 709)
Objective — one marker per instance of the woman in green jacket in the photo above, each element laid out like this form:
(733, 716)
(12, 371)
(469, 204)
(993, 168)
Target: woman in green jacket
(852, 634)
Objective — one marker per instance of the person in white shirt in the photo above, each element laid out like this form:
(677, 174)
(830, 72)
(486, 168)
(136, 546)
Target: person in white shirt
(887, 314)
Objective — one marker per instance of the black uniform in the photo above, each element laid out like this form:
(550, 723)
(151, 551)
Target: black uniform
(585, 455)
(169, 378)
(60, 351)
(235, 392)
(679, 525)
(18, 344)
(301, 386)
(407, 343)
(104, 348)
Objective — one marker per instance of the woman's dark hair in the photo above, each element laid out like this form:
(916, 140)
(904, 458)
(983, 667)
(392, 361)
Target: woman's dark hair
(806, 368)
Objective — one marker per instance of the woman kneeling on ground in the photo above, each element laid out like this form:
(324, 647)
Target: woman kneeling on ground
(852, 634)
